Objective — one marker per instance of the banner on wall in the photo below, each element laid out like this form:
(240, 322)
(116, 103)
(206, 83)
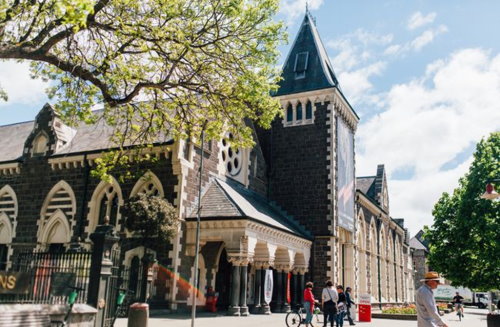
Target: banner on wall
(345, 175)
(268, 286)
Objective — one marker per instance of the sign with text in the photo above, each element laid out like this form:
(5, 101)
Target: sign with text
(365, 299)
(268, 286)
(345, 175)
(14, 282)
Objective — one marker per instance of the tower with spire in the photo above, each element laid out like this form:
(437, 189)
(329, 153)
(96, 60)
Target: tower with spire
(310, 155)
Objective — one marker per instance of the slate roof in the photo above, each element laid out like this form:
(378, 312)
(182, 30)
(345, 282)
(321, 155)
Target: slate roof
(88, 138)
(416, 244)
(12, 138)
(230, 200)
(319, 72)
(366, 185)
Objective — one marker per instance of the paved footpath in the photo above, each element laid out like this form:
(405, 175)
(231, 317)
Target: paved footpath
(473, 318)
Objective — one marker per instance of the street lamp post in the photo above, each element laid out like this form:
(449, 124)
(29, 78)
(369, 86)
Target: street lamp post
(198, 220)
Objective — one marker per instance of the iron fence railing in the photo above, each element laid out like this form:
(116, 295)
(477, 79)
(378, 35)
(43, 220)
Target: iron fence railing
(44, 269)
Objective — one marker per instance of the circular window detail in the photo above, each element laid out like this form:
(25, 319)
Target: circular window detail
(231, 156)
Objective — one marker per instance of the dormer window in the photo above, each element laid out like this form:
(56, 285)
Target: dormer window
(301, 60)
(40, 144)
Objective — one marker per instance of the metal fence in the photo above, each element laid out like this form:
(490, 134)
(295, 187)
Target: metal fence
(44, 269)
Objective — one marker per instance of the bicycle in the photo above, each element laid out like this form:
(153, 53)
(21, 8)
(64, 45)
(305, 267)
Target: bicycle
(460, 314)
(71, 302)
(296, 317)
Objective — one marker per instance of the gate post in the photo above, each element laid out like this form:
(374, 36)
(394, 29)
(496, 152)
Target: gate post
(104, 238)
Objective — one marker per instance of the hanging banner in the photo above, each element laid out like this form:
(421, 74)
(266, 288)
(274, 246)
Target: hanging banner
(288, 295)
(268, 286)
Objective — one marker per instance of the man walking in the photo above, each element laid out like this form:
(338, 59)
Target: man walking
(349, 302)
(427, 314)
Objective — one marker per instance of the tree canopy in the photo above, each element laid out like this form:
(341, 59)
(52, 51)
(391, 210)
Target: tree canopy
(153, 217)
(157, 66)
(465, 237)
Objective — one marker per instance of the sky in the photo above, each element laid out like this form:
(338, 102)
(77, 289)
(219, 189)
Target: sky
(423, 76)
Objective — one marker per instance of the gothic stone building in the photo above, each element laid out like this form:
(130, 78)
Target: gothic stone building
(384, 257)
(287, 204)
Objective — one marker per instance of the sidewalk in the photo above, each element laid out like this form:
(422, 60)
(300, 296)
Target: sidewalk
(473, 318)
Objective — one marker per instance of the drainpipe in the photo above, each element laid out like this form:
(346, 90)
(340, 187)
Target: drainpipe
(86, 174)
(395, 265)
(379, 223)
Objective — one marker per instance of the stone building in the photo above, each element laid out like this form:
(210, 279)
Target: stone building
(384, 264)
(420, 249)
(287, 205)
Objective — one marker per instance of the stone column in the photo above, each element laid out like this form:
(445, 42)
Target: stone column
(243, 289)
(302, 282)
(234, 309)
(257, 287)
(265, 309)
(278, 283)
(295, 289)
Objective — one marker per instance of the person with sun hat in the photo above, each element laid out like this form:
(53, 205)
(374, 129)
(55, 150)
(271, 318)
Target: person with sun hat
(427, 313)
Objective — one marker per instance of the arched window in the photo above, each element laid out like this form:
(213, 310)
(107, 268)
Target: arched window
(299, 111)
(309, 110)
(148, 184)
(106, 201)
(40, 144)
(108, 206)
(289, 113)
(232, 157)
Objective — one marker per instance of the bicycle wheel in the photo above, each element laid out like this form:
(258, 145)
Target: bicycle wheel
(293, 319)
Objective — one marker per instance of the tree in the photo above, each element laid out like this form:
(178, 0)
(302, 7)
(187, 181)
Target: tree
(464, 239)
(152, 217)
(157, 66)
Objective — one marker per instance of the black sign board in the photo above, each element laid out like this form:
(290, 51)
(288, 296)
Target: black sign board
(61, 283)
(14, 282)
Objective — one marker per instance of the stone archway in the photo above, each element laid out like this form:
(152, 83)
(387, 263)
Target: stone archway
(223, 281)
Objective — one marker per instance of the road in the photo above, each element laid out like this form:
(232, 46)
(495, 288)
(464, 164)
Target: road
(473, 318)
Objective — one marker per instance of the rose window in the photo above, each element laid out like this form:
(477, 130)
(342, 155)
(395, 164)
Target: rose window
(231, 156)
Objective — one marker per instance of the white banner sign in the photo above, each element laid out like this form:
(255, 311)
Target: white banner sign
(268, 286)
(364, 299)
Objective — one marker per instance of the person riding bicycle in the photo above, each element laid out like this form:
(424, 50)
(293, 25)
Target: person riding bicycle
(458, 302)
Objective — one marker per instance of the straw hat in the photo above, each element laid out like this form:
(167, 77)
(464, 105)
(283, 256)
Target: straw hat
(431, 275)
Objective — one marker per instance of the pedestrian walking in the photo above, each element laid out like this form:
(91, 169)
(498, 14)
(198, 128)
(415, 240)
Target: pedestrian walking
(427, 313)
(341, 306)
(309, 302)
(329, 298)
(349, 303)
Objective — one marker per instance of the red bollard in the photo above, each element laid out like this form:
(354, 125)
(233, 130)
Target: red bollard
(138, 315)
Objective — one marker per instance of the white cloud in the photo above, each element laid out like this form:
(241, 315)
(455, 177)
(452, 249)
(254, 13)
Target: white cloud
(356, 84)
(417, 43)
(417, 20)
(21, 89)
(294, 8)
(426, 123)
(427, 37)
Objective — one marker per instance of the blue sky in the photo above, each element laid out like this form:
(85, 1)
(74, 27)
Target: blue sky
(424, 76)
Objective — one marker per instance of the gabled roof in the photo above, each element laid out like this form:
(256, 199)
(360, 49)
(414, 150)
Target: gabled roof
(230, 200)
(416, 244)
(366, 185)
(12, 139)
(319, 72)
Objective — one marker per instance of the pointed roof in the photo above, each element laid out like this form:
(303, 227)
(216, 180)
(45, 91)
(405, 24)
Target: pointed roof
(230, 200)
(307, 66)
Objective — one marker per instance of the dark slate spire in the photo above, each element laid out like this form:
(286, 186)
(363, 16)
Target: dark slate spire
(307, 66)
